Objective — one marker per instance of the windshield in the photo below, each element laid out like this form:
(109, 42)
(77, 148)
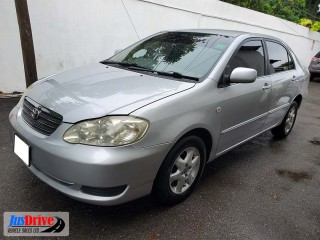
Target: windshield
(184, 53)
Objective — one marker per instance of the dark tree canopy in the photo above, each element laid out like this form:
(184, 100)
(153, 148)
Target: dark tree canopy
(291, 10)
(304, 12)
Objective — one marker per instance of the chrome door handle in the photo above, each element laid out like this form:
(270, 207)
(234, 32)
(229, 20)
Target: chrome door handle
(266, 86)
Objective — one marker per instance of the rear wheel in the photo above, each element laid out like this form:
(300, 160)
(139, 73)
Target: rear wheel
(284, 129)
(180, 171)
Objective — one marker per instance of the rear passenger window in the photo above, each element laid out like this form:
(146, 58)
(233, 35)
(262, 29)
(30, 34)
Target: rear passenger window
(279, 58)
(249, 55)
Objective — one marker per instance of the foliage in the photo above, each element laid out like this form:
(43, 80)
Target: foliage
(313, 25)
(289, 10)
(316, 26)
(312, 6)
(298, 11)
(306, 22)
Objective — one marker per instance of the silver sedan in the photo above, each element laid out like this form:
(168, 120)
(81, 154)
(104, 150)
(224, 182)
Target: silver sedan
(149, 119)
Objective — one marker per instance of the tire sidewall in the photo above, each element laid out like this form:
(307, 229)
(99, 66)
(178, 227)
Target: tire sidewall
(283, 125)
(312, 76)
(162, 183)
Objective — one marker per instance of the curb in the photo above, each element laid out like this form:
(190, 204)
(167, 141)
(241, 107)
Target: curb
(10, 95)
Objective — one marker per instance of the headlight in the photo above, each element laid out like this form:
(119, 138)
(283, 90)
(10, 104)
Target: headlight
(107, 131)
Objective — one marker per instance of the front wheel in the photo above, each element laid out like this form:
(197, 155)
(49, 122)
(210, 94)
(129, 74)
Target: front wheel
(180, 171)
(284, 129)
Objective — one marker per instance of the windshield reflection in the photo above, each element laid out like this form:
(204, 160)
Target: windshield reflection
(187, 53)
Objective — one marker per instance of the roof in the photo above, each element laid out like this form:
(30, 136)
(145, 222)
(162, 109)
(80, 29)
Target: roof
(222, 32)
(213, 31)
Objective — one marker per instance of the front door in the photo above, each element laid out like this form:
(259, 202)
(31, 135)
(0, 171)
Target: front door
(245, 106)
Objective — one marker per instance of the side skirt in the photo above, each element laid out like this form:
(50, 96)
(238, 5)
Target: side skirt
(232, 147)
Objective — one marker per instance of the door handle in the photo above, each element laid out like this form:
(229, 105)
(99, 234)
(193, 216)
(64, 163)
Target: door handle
(293, 78)
(266, 86)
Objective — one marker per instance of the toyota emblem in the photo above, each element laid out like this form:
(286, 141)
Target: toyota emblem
(35, 113)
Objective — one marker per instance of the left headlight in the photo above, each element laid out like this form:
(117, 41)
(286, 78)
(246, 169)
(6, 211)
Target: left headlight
(107, 131)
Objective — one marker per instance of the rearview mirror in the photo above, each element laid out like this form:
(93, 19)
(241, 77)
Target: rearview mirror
(243, 75)
(117, 51)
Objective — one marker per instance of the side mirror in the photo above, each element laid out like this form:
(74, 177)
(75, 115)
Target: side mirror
(117, 51)
(243, 75)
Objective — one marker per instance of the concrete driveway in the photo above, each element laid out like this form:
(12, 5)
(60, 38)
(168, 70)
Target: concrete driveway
(264, 189)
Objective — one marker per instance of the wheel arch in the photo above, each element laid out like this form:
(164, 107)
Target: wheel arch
(206, 137)
(298, 100)
(160, 188)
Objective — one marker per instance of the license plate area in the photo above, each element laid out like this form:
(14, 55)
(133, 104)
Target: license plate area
(22, 150)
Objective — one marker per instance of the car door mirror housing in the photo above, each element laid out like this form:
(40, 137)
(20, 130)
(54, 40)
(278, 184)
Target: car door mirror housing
(243, 75)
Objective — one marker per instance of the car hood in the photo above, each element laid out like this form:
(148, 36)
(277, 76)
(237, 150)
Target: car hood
(99, 90)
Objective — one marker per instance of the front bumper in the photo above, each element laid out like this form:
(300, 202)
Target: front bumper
(70, 167)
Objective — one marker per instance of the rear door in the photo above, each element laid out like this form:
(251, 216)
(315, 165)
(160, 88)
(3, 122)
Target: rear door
(283, 75)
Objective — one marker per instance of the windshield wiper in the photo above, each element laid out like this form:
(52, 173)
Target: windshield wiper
(139, 68)
(132, 66)
(177, 75)
(118, 63)
(170, 74)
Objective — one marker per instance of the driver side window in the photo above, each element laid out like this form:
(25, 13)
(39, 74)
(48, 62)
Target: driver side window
(249, 55)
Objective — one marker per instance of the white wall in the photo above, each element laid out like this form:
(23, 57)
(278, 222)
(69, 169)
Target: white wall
(73, 33)
(11, 64)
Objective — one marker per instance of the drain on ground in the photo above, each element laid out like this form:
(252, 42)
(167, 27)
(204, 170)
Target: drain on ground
(295, 176)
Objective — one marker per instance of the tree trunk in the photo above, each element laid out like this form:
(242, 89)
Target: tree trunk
(29, 61)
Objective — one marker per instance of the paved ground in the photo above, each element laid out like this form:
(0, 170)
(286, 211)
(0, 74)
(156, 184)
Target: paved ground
(265, 189)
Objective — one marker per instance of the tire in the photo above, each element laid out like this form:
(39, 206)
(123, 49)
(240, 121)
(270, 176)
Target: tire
(284, 129)
(184, 177)
(312, 77)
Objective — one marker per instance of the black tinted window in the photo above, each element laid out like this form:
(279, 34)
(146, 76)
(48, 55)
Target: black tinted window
(278, 58)
(249, 55)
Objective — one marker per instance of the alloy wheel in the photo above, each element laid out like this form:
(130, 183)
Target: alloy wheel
(184, 170)
(290, 119)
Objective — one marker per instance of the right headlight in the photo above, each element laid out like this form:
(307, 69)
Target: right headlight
(107, 131)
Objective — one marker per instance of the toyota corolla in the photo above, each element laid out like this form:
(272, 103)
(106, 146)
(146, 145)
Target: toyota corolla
(149, 119)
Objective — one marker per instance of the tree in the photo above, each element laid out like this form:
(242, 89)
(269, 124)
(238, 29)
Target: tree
(299, 11)
(312, 7)
(289, 10)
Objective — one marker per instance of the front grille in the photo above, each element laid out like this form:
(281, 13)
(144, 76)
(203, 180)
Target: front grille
(40, 118)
